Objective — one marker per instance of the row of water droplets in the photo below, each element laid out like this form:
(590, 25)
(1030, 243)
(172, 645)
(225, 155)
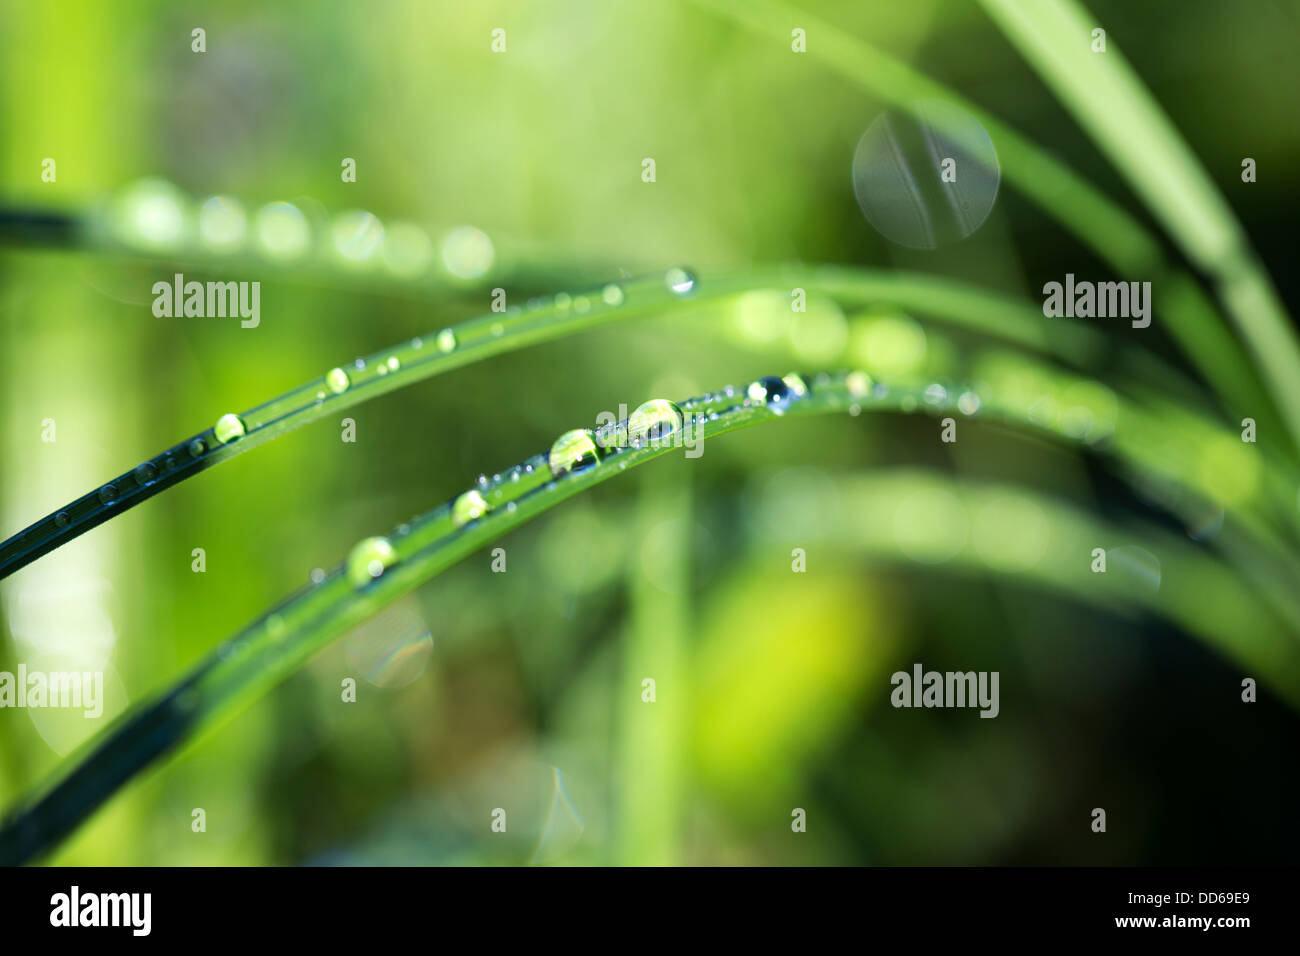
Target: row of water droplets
(154, 216)
(657, 424)
(343, 385)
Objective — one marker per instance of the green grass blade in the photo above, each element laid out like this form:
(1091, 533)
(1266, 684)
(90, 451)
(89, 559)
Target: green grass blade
(497, 333)
(380, 570)
(1109, 101)
(1089, 215)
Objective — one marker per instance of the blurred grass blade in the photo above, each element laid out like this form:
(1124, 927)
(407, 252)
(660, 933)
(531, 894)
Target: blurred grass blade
(1089, 215)
(1109, 101)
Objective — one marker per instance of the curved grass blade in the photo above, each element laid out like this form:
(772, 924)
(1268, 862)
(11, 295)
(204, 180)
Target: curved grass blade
(379, 570)
(1192, 588)
(1101, 224)
(496, 333)
(1109, 101)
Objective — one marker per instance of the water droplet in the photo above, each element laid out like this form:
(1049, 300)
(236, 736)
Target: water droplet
(368, 560)
(581, 305)
(393, 363)
(357, 235)
(775, 393)
(152, 214)
(612, 294)
(228, 428)
(222, 224)
(468, 507)
(61, 519)
(798, 387)
(467, 252)
(968, 403)
(858, 384)
(145, 473)
(562, 302)
(572, 451)
(406, 250)
(935, 394)
(679, 281)
(317, 575)
(282, 230)
(196, 448)
(107, 494)
(337, 380)
(653, 422)
(498, 330)
(446, 340)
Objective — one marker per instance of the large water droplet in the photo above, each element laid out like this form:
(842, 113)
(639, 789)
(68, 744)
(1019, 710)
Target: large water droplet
(368, 560)
(653, 422)
(777, 393)
(282, 230)
(468, 507)
(222, 224)
(572, 451)
(679, 281)
(228, 428)
(337, 380)
(357, 235)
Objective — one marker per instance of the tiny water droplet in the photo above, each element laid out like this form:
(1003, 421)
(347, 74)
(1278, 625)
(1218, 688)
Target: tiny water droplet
(562, 302)
(417, 343)
(317, 575)
(393, 363)
(337, 381)
(61, 519)
(612, 294)
(108, 494)
(968, 403)
(196, 448)
(229, 427)
(498, 330)
(468, 507)
(679, 281)
(368, 560)
(145, 473)
(581, 305)
(446, 340)
(572, 451)
(935, 394)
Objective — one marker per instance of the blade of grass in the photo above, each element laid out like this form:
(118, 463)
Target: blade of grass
(1088, 214)
(380, 570)
(498, 333)
(1106, 97)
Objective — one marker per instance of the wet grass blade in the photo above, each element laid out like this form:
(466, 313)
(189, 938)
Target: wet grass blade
(379, 570)
(497, 333)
